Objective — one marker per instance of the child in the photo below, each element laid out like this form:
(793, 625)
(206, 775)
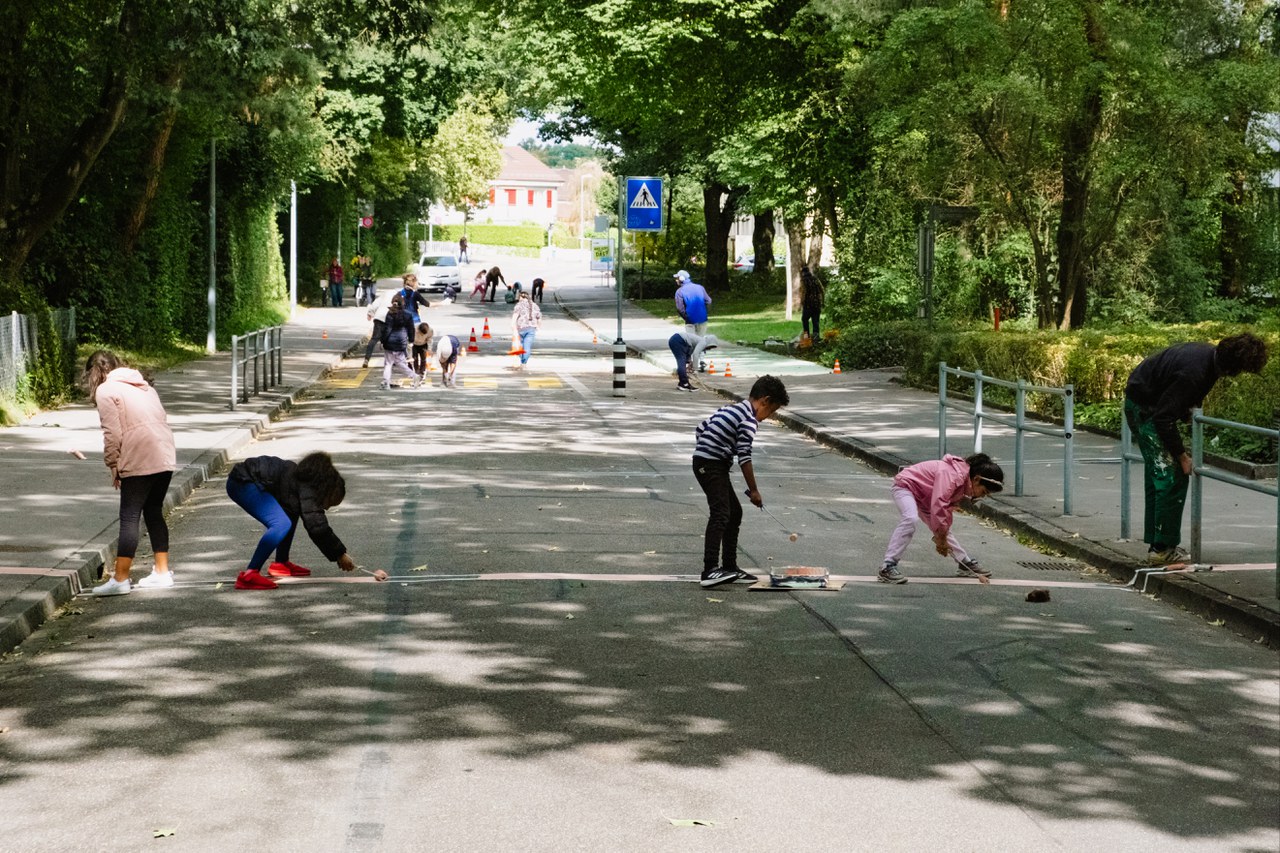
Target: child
(448, 351)
(930, 490)
(397, 331)
(728, 433)
(535, 293)
(277, 493)
(480, 283)
(421, 346)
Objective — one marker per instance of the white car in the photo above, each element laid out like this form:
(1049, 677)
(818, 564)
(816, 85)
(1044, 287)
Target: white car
(435, 272)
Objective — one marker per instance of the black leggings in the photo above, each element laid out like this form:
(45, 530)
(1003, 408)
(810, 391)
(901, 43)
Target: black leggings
(143, 496)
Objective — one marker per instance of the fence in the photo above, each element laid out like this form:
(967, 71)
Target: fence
(19, 345)
(1201, 470)
(1018, 421)
(264, 349)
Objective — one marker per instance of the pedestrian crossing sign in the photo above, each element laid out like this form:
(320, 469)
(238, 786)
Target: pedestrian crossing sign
(644, 204)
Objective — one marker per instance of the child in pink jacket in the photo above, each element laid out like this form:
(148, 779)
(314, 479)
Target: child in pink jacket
(929, 491)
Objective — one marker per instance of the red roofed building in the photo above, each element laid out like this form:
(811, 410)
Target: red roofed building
(526, 190)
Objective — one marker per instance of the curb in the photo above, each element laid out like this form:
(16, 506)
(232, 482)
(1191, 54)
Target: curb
(21, 616)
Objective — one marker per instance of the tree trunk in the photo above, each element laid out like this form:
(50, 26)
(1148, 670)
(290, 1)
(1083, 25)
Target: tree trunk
(817, 227)
(1079, 136)
(153, 162)
(719, 209)
(797, 244)
(762, 242)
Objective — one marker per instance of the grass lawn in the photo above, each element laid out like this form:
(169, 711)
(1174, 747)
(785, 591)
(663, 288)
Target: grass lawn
(749, 317)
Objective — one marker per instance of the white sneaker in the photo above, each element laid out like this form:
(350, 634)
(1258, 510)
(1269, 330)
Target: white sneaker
(157, 580)
(113, 587)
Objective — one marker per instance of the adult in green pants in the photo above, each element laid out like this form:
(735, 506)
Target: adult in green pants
(1163, 390)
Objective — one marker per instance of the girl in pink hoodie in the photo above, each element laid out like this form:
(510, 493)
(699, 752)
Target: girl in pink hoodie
(137, 446)
(928, 492)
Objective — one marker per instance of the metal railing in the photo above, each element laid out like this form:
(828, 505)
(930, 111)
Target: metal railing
(1018, 420)
(1199, 468)
(19, 345)
(264, 350)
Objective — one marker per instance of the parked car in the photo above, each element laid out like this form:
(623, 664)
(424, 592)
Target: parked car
(435, 272)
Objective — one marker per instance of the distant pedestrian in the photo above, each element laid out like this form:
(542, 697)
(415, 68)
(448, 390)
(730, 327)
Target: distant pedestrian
(463, 257)
(412, 299)
(526, 319)
(478, 285)
(448, 351)
(491, 278)
(397, 332)
(335, 282)
(277, 493)
(692, 303)
(138, 449)
(812, 297)
(929, 491)
(421, 349)
(378, 314)
(535, 292)
(687, 348)
(1162, 391)
(727, 433)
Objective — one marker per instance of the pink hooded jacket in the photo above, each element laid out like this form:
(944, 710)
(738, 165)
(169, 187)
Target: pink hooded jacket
(937, 485)
(136, 439)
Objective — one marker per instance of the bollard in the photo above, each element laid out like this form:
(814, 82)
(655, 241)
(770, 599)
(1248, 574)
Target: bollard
(619, 368)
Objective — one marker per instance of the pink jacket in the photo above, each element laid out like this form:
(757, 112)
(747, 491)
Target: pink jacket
(136, 439)
(937, 485)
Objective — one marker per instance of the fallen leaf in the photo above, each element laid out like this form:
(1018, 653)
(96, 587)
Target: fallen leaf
(568, 616)
(218, 585)
(1048, 615)
(715, 600)
(553, 548)
(1217, 623)
(421, 568)
(679, 821)
(161, 833)
(650, 553)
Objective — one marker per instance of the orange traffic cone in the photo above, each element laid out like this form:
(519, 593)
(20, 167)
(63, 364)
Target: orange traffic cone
(472, 346)
(324, 336)
(486, 336)
(516, 349)
(711, 368)
(728, 370)
(836, 369)
(594, 339)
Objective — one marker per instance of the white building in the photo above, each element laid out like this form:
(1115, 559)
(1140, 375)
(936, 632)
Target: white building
(526, 190)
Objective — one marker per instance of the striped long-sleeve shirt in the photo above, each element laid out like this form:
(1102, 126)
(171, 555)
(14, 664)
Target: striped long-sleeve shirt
(727, 433)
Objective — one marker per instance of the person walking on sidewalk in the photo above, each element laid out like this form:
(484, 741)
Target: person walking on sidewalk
(397, 332)
(463, 257)
(812, 296)
(692, 303)
(526, 319)
(727, 433)
(929, 491)
(335, 282)
(1161, 391)
(277, 493)
(138, 449)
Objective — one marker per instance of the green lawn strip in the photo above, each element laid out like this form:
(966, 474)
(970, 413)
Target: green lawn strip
(751, 318)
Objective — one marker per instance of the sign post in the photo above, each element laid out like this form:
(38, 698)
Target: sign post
(639, 209)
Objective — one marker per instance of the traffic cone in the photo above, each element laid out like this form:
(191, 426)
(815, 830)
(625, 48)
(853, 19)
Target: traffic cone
(516, 349)
(711, 368)
(486, 336)
(728, 370)
(324, 336)
(836, 369)
(594, 339)
(472, 346)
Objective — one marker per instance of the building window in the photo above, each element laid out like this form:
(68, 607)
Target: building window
(511, 198)
(493, 195)
(548, 198)
(531, 198)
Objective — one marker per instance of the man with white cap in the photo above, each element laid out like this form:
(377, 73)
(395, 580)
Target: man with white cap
(692, 302)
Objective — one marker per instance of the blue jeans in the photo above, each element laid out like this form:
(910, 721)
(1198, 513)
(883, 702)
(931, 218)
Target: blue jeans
(259, 503)
(526, 344)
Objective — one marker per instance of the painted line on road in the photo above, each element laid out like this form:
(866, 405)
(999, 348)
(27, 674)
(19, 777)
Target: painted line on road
(354, 382)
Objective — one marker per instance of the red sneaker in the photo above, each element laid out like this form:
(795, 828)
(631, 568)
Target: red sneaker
(288, 569)
(250, 579)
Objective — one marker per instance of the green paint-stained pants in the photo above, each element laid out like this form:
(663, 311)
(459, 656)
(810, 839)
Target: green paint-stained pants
(1164, 484)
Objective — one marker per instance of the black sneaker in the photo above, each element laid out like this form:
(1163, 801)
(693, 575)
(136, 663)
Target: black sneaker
(971, 569)
(684, 386)
(744, 576)
(716, 577)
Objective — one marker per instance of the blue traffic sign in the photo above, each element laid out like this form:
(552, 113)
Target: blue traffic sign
(644, 204)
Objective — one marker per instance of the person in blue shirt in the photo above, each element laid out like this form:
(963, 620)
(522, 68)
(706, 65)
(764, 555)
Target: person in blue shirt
(692, 302)
(727, 433)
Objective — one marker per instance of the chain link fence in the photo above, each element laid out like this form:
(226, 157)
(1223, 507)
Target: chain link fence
(19, 345)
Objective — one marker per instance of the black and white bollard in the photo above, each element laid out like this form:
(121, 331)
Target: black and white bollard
(619, 368)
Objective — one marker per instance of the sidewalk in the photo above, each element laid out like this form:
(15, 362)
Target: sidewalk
(870, 415)
(59, 526)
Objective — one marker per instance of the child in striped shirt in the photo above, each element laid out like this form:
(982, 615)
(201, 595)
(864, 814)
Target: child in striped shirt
(728, 433)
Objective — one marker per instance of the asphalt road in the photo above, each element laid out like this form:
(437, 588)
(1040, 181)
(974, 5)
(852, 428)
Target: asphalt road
(605, 701)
